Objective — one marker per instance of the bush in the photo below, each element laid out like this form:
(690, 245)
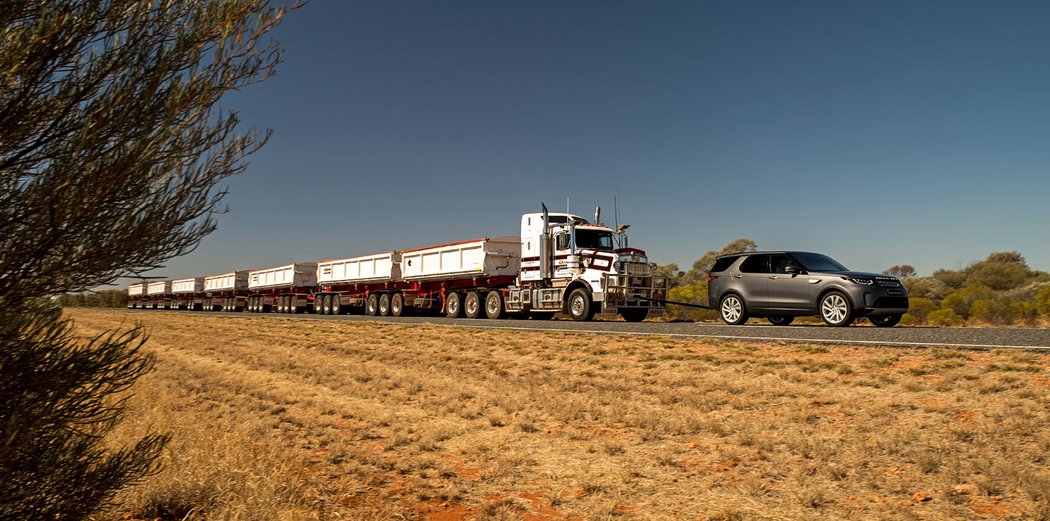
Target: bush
(695, 293)
(1002, 311)
(944, 317)
(1042, 300)
(919, 309)
(961, 300)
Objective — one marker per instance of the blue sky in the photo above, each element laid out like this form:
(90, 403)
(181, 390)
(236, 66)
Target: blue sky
(880, 133)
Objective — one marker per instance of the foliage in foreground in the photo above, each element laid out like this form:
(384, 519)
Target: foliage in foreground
(111, 144)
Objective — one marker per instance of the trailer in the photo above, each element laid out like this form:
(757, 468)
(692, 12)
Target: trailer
(226, 291)
(137, 295)
(158, 294)
(188, 293)
(285, 289)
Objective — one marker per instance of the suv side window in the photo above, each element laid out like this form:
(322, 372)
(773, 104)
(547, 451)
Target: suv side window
(755, 264)
(780, 261)
(723, 264)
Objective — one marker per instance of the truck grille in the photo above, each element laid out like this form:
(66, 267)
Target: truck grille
(636, 270)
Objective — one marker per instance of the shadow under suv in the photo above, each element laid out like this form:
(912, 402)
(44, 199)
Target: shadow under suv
(781, 285)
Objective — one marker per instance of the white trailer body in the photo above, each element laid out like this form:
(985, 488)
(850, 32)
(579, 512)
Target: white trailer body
(298, 275)
(159, 288)
(500, 256)
(137, 290)
(381, 267)
(233, 281)
(183, 286)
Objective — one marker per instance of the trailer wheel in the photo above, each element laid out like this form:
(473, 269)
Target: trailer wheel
(472, 305)
(293, 306)
(384, 305)
(453, 305)
(397, 305)
(337, 305)
(372, 305)
(494, 305)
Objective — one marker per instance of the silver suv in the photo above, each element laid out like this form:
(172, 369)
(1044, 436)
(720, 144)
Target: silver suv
(782, 285)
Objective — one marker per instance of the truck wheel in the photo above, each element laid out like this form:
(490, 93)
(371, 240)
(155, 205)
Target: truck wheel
(885, 320)
(472, 305)
(634, 314)
(323, 304)
(494, 305)
(372, 305)
(732, 310)
(397, 305)
(337, 304)
(581, 309)
(384, 305)
(836, 309)
(453, 305)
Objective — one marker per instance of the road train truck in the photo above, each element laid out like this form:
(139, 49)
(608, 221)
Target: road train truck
(559, 263)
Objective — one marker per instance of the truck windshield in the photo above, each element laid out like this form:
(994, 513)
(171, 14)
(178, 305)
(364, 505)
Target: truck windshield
(594, 239)
(818, 262)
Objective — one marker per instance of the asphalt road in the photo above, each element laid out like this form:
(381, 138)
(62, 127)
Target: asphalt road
(946, 337)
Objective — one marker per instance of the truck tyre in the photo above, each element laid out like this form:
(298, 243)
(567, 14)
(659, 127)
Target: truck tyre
(494, 305)
(397, 305)
(835, 309)
(453, 305)
(337, 304)
(293, 305)
(472, 305)
(634, 314)
(282, 304)
(384, 305)
(885, 320)
(733, 310)
(581, 309)
(323, 304)
(372, 305)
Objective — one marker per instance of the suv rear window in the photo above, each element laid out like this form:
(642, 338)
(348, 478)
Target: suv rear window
(723, 264)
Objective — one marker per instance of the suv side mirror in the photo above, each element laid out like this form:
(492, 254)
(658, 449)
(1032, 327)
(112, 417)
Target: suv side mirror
(792, 269)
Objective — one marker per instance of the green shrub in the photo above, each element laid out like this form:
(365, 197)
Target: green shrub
(961, 300)
(944, 317)
(1042, 300)
(919, 309)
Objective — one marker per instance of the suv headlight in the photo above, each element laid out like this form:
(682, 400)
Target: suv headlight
(863, 282)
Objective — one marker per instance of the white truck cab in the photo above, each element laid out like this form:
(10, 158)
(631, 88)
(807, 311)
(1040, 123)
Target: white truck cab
(571, 265)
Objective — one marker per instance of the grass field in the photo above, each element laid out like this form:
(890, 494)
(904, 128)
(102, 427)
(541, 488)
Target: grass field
(284, 419)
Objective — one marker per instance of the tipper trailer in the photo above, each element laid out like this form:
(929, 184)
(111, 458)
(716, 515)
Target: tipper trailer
(158, 294)
(226, 292)
(559, 263)
(188, 293)
(137, 295)
(286, 289)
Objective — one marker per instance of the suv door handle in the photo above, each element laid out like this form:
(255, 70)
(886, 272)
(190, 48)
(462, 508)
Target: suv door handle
(772, 277)
(738, 276)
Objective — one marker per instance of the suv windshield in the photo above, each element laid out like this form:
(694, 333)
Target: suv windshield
(594, 239)
(818, 262)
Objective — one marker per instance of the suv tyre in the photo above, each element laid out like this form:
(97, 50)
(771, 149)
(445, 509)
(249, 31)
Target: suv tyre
(732, 310)
(836, 309)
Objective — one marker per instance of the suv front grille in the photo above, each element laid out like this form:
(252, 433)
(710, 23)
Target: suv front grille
(888, 283)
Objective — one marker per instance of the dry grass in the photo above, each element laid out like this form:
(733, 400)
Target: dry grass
(281, 419)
